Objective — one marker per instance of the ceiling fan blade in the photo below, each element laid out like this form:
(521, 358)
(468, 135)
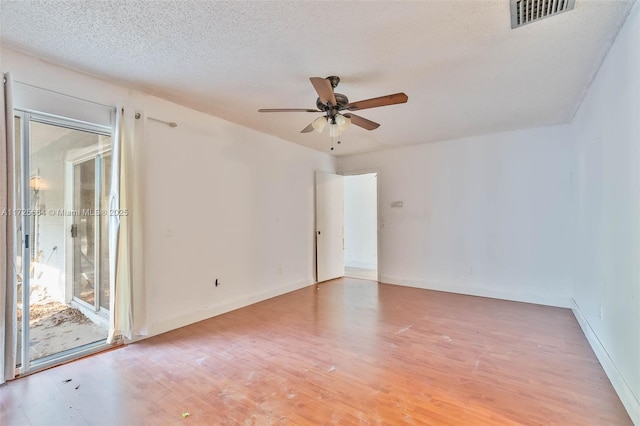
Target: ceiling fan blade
(287, 110)
(362, 122)
(324, 89)
(396, 98)
(308, 129)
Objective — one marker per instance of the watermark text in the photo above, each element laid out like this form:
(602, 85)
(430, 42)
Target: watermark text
(64, 212)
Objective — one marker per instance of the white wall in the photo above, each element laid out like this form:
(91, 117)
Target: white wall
(607, 268)
(489, 215)
(220, 201)
(361, 221)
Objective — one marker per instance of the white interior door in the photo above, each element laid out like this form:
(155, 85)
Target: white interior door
(329, 226)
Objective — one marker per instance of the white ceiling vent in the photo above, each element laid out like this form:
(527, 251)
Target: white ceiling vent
(526, 11)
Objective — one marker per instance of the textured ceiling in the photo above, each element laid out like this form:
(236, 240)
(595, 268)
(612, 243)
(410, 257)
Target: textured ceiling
(465, 70)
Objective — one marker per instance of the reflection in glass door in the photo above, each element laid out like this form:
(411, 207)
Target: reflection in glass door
(83, 232)
(89, 232)
(62, 180)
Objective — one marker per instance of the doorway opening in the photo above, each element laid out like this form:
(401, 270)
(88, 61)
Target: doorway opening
(361, 226)
(63, 170)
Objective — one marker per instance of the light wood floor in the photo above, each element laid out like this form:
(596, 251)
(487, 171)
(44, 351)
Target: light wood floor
(343, 352)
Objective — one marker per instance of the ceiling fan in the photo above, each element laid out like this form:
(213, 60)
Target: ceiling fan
(333, 104)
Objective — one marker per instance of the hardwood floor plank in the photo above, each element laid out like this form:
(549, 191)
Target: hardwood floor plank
(343, 352)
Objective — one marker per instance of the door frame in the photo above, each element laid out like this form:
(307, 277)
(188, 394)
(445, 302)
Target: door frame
(92, 153)
(24, 149)
(379, 217)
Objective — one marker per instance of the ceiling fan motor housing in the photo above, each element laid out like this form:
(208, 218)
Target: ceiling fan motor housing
(341, 101)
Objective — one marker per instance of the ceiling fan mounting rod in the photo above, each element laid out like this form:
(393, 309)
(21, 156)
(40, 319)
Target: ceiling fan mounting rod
(334, 80)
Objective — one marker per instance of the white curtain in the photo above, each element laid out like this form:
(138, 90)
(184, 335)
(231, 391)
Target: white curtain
(127, 302)
(8, 330)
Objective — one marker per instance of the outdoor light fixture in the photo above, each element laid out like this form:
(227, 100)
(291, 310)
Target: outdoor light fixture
(37, 183)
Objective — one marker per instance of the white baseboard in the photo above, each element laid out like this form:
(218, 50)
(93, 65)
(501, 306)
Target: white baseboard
(173, 323)
(626, 395)
(536, 298)
(360, 265)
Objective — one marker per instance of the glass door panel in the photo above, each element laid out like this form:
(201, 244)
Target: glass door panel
(63, 243)
(105, 190)
(83, 231)
(17, 223)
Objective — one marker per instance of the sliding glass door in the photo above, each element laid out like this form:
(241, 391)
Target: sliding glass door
(89, 232)
(63, 284)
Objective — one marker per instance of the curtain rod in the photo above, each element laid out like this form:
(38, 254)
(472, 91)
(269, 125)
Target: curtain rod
(168, 123)
(63, 94)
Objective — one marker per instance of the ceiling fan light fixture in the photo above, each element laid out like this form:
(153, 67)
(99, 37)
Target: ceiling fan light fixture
(319, 123)
(343, 122)
(330, 104)
(334, 130)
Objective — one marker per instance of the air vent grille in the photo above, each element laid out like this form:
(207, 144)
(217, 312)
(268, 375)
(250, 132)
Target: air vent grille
(527, 11)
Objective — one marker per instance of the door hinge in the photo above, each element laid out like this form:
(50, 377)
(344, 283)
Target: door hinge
(74, 230)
